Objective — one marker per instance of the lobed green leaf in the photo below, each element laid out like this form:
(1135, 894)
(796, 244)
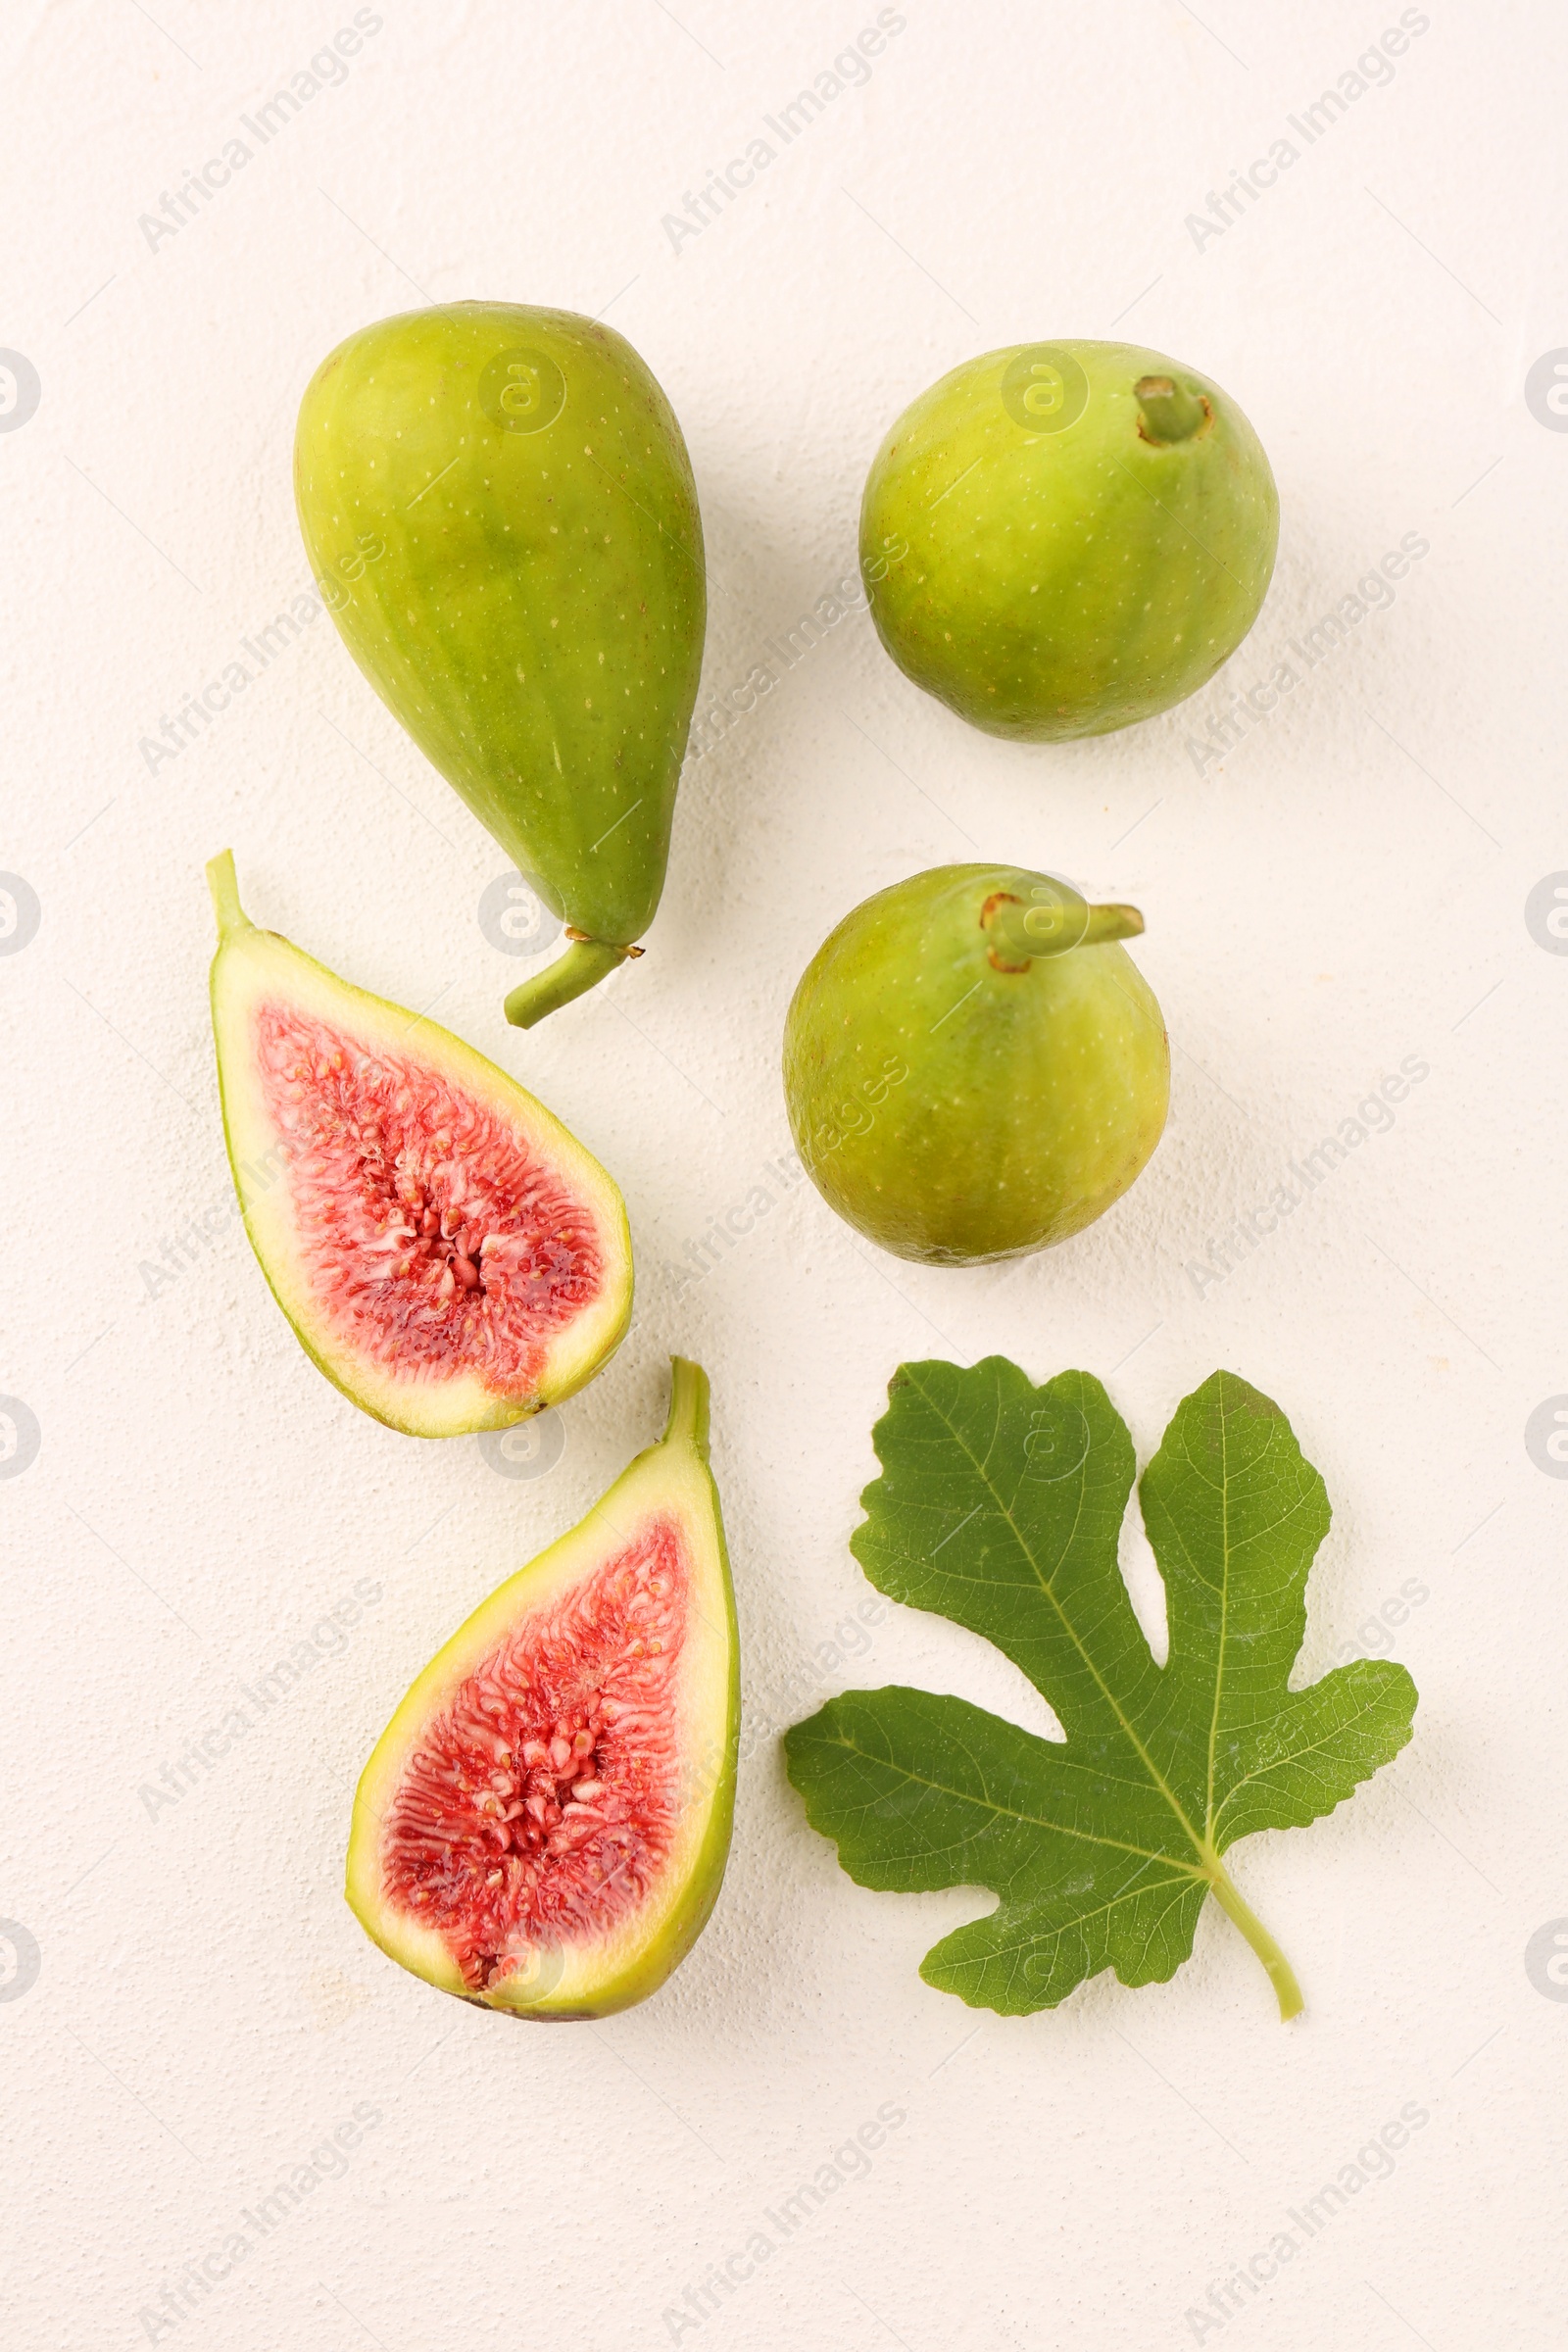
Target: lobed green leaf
(1000, 1505)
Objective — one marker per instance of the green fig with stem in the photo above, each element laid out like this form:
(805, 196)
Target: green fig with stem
(974, 1067)
(499, 506)
(1060, 539)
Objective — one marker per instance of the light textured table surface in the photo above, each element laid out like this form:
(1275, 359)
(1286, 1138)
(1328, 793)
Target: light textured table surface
(187, 2009)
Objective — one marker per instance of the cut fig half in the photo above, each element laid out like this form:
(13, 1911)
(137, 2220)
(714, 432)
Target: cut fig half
(448, 1255)
(543, 1823)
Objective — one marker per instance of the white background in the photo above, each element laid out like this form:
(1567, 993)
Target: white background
(1347, 889)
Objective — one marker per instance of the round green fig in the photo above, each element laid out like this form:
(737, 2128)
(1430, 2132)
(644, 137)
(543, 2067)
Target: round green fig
(1063, 538)
(974, 1068)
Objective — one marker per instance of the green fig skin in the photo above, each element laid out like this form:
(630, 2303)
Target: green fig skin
(957, 1102)
(1042, 561)
(499, 506)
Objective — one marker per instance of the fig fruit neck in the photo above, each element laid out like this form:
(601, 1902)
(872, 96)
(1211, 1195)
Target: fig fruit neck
(584, 965)
(1052, 921)
(223, 884)
(688, 1406)
(1167, 412)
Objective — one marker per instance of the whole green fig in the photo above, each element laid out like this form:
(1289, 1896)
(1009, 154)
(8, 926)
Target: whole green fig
(500, 509)
(973, 1068)
(1063, 538)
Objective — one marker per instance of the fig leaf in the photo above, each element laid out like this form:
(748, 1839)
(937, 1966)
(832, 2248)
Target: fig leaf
(999, 1505)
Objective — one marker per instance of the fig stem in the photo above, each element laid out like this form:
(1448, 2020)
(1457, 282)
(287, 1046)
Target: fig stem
(223, 884)
(1167, 411)
(1057, 920)
(688, 1406)
(584, 965)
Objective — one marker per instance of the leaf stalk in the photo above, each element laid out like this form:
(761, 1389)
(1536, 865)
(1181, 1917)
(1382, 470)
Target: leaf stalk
(1281, 1975)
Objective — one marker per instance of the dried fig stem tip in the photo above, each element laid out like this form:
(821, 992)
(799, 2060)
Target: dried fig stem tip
(1166, 410)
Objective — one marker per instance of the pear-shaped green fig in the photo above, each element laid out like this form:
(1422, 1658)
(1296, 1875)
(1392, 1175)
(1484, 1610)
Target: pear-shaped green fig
(543, 1823)
(499, 506)
(973, 1067)
(1062, 538)
(446, 1252)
